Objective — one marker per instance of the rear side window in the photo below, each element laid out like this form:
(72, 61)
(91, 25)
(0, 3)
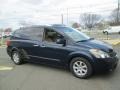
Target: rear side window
(32, 33)
(17, 33)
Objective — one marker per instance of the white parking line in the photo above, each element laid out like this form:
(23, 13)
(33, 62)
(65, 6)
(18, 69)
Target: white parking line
(5, 68)
(2, 46)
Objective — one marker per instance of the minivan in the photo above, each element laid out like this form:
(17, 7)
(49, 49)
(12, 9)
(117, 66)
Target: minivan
(61, 45)
(112, 30)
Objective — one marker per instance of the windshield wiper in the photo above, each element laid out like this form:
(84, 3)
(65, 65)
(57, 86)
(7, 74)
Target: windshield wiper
(85, 40)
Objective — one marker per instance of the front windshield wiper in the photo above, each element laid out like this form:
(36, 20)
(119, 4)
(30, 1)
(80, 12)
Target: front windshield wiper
(85, 40)
(91, 39)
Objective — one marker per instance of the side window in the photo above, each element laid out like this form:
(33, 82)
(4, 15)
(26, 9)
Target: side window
(51, 35)
(17, 33)
(33, 33)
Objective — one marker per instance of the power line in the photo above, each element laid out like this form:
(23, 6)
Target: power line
(90, 6)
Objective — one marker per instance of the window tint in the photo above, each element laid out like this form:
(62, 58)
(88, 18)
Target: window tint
(51, 36)
(17, 33)
(73, 33)
(33, 33)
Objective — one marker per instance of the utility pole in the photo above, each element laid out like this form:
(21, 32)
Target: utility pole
(62, 18)
(67, 17)
(118, 13)
(118, 5)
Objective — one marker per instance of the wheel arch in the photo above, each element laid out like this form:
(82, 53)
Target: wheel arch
(21, 51)
(14, 49)
(86, 56)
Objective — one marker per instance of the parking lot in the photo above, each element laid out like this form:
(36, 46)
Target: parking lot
(99, 35)
(41, 77)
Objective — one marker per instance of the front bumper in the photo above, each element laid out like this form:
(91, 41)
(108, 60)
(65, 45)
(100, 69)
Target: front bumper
(106, 64)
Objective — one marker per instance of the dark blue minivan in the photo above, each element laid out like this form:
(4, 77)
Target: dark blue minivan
(61, 46)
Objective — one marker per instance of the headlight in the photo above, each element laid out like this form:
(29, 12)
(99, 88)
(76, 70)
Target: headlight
(99, 53)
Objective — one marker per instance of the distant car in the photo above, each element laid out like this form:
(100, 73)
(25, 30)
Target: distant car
(6, 34)
(112, 30)
(61, 46)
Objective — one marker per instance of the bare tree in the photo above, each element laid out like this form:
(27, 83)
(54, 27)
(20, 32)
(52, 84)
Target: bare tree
(115, 17)
(75, 25)
(90, 20)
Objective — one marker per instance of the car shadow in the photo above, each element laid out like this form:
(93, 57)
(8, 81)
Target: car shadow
(102, 75)
(49, 66)
(107, 74)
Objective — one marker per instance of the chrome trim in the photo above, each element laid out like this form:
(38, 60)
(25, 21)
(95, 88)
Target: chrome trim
(44, 58)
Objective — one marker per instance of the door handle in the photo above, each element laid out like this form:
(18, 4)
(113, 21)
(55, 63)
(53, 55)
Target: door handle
(35, 45)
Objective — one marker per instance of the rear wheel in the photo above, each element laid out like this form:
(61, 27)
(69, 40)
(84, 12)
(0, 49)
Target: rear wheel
(81, 68)
(106, 32)
(16, 57)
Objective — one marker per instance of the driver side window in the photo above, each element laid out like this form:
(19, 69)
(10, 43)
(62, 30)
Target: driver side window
(51, 35)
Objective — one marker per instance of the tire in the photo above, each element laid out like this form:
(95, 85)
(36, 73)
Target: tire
(17, 58)
(106, 32)
(83, 71)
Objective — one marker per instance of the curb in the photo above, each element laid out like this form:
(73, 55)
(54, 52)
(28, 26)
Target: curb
(113, 42)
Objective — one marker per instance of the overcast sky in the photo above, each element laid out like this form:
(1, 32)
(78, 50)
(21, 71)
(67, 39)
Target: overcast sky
(48, 11)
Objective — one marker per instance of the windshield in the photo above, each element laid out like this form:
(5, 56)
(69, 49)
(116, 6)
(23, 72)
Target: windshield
(74, 34)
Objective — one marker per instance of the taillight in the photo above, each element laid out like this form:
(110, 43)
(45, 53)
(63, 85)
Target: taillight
(8, 43)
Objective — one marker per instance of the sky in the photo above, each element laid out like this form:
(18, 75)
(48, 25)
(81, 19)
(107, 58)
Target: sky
(15, 12)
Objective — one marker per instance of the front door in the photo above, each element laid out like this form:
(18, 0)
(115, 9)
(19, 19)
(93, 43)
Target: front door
(53, 52)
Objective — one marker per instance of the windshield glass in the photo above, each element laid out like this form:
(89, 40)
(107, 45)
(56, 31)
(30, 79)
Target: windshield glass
(74, 34)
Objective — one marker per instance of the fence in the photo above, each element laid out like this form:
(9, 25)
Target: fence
(98, 34)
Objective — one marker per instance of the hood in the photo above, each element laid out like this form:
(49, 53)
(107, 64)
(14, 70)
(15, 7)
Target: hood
(89, 44)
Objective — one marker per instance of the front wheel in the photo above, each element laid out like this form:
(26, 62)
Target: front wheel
(81, 68)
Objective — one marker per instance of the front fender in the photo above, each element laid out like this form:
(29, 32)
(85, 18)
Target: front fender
(83, 54)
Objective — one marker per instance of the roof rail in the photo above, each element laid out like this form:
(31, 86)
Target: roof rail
(57, 25)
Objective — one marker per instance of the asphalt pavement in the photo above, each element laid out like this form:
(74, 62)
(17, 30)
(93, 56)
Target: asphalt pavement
(31, 76)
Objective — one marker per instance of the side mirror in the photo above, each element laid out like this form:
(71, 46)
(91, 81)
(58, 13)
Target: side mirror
(61, 41)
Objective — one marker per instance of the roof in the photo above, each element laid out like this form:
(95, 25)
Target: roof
(46, 25)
